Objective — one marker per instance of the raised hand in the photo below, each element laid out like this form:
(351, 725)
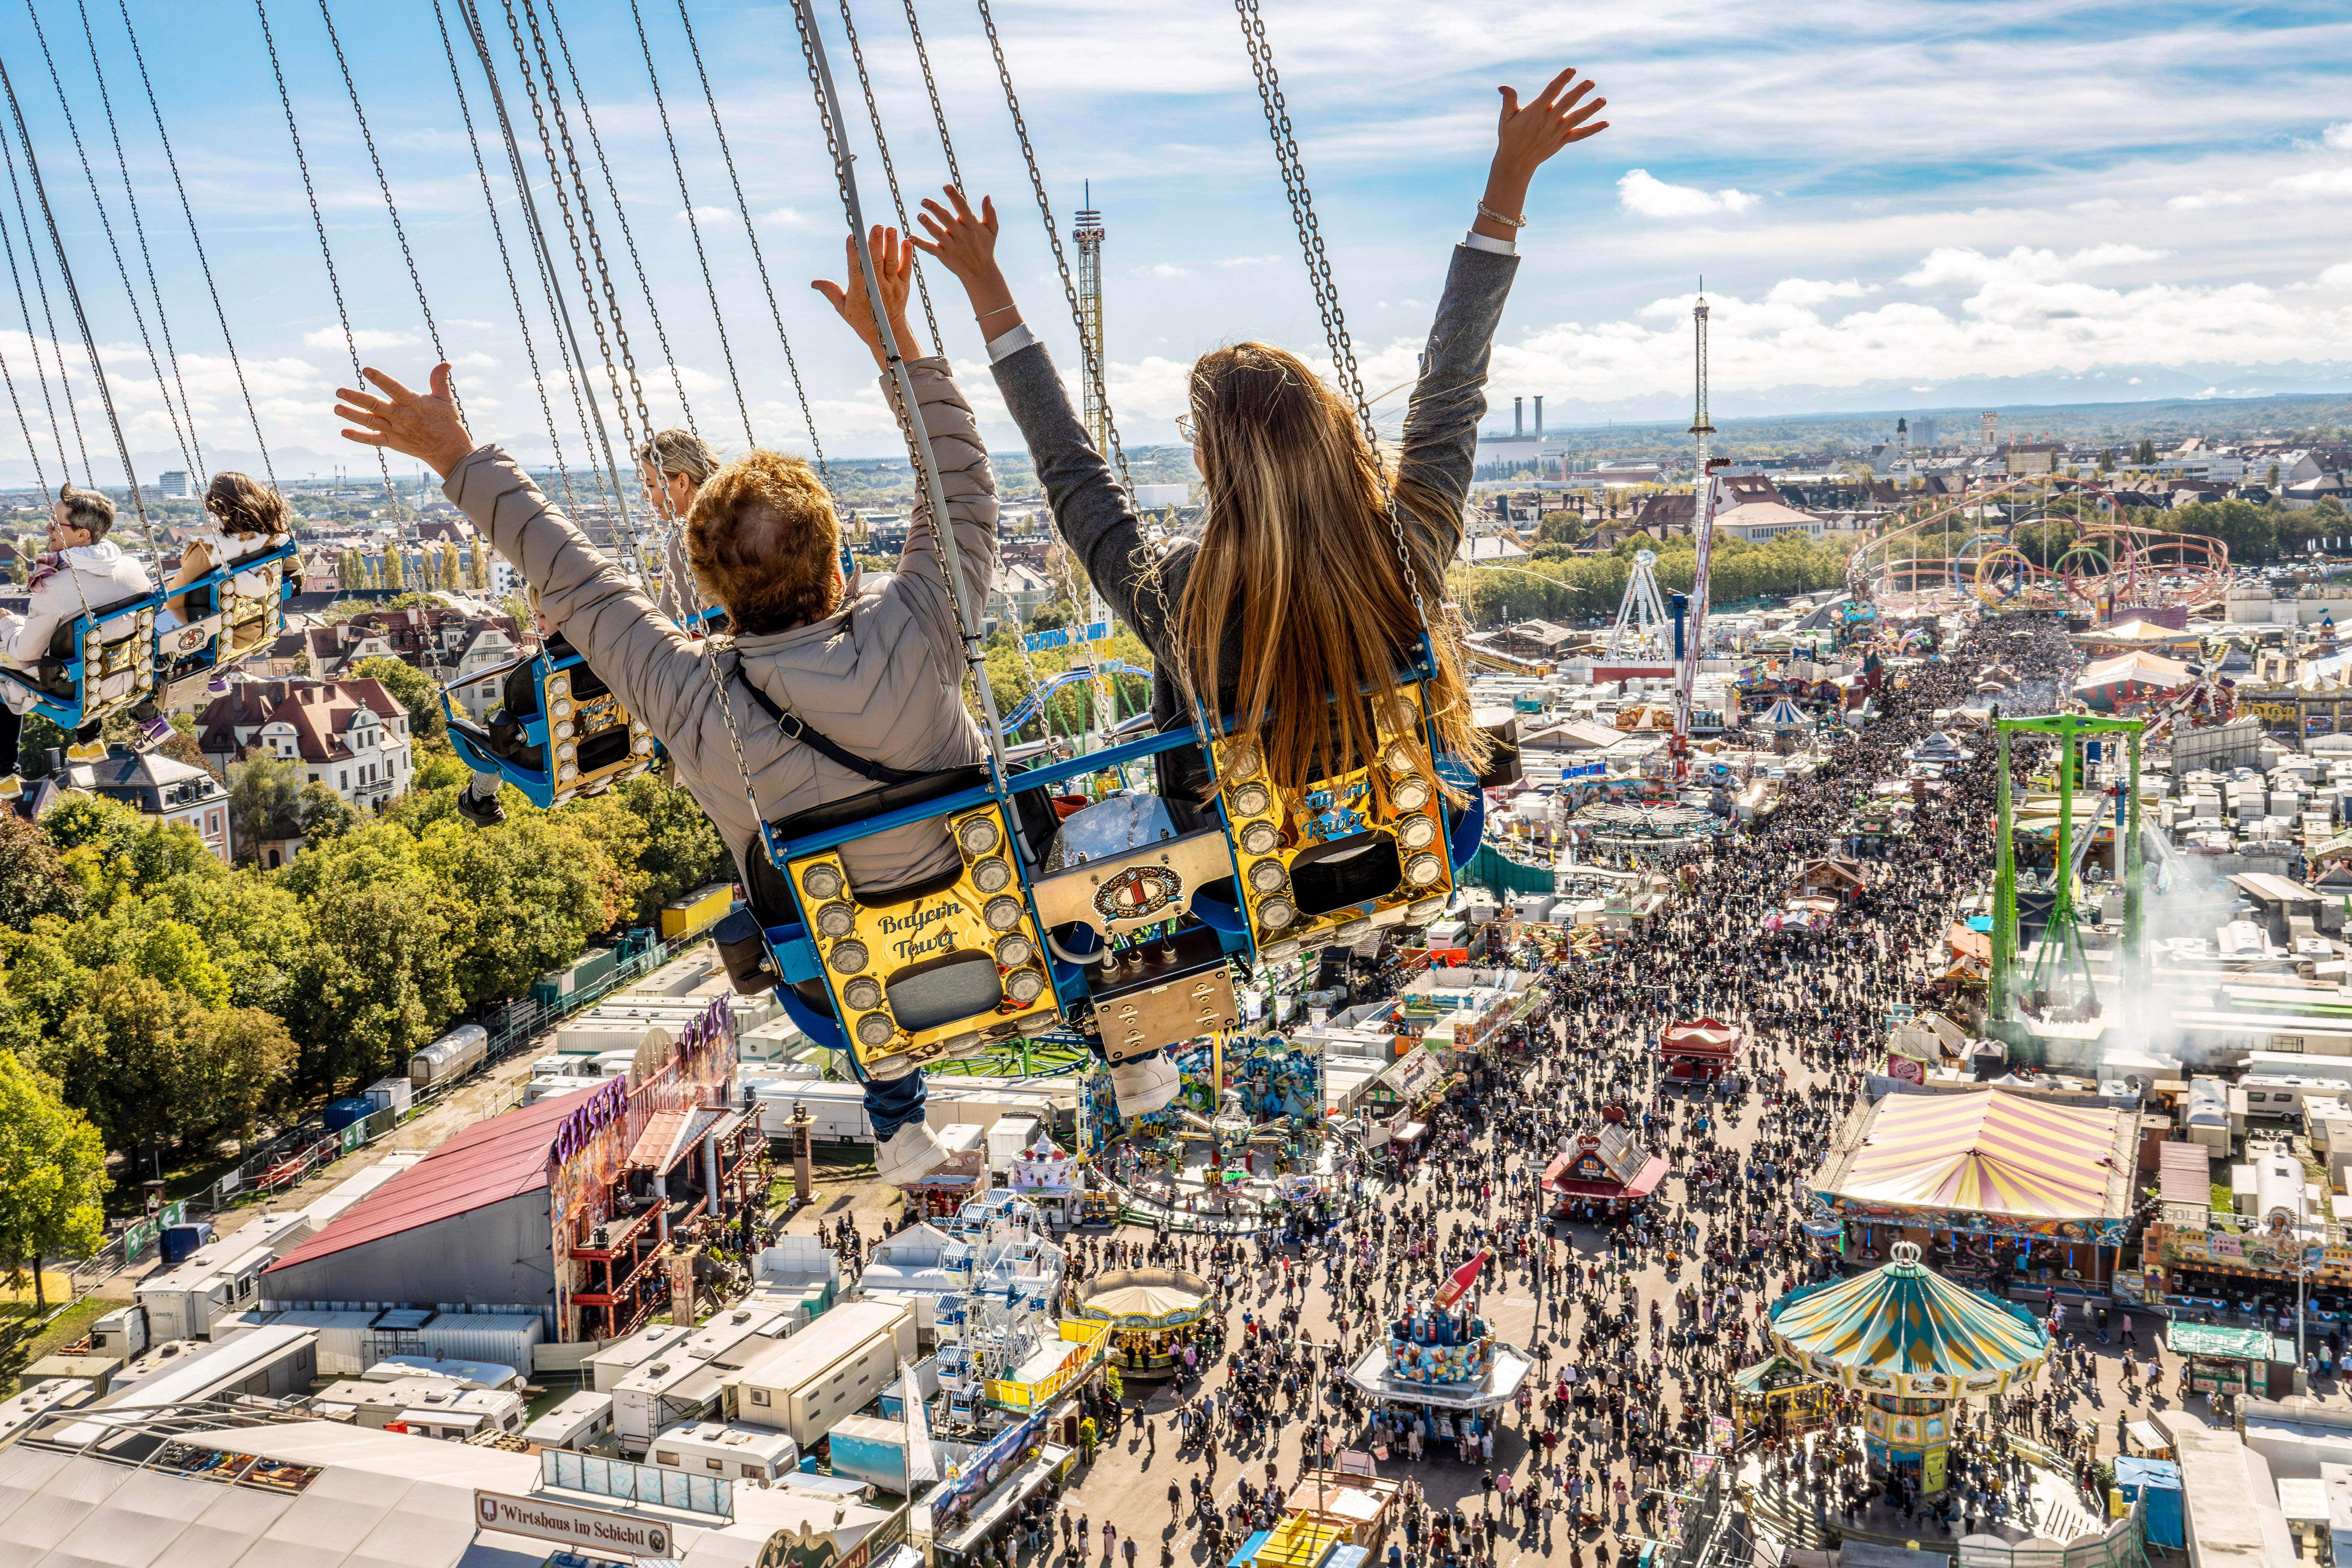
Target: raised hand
(965, 244)
(1525, 135)
(894, 271)
(424, 426)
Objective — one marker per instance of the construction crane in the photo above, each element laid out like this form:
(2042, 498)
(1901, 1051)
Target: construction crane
(1702, 530)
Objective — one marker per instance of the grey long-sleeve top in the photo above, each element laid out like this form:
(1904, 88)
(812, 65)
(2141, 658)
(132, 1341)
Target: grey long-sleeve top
(882, 678)
(1440, 441)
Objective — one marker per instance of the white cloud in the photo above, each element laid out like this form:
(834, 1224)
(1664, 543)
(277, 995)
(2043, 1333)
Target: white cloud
(2305, 184)
(2337, 276)
(1809, 291)
(708, 215)
(1641, 191)
(786, 217)
(364, 339)
(1163, 269)
(2338, 136)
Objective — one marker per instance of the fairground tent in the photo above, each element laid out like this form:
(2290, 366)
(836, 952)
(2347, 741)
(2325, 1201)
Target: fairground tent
(1989, 1151)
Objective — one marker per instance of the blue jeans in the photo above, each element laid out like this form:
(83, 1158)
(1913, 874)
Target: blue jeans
(891, 1103)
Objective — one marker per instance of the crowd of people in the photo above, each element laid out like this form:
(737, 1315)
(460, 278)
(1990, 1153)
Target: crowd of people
(1633, 1323)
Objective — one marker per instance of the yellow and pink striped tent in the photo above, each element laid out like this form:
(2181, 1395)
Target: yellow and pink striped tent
(1989, 1151)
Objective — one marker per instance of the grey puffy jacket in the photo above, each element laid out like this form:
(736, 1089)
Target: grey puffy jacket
(882, 678)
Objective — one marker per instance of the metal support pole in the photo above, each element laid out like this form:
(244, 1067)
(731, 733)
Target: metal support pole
(2004, 892)
(2135, 966)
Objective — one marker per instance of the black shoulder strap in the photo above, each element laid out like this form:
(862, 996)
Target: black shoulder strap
(796, 728)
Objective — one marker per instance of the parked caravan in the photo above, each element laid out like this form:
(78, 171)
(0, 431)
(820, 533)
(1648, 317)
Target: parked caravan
(451, 1057)
(736, 1453)
(582, 1422)
(829, 1369)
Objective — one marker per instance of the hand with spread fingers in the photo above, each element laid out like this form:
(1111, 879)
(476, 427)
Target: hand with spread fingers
(894, 272)
(1526, 136)
(424, 426)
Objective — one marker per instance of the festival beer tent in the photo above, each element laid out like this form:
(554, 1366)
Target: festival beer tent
(1992, 1172)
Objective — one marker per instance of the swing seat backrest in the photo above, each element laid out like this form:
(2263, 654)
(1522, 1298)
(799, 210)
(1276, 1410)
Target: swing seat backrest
(99, 663)
(933, 969)
(1364, 848)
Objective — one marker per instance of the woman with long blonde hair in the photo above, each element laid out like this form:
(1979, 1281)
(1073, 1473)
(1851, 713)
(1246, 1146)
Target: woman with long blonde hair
(1302, 585)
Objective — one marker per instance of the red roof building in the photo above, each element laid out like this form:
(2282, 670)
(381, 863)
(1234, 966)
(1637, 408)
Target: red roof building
(468, 1223)
(350, 736)
(1606, 1166)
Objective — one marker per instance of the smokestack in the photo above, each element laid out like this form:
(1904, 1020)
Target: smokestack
(1518, 417)
(1539, 418)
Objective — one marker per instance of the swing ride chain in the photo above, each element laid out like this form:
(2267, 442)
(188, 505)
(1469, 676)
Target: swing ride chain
(392, 209)
(890, 173)
(1318, 266)
(587, 284)
(693, 227)
(482, 173)
(580, 184)
(107, 226)
(40, 372)
(138, 228)
(1093, 367)
(939, 114)
(751, 232)
(319, 222)
(906, 415)
(567, 339)
(628, 236)
(203, 262)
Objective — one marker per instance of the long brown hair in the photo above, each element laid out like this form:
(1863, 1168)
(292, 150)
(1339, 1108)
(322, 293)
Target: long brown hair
(245, 507)
(1298, 547)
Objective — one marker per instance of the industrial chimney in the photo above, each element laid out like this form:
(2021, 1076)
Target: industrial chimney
(1518, 417)
(1539, 418)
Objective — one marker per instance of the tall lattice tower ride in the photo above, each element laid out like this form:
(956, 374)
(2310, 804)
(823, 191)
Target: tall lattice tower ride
(1089, 237)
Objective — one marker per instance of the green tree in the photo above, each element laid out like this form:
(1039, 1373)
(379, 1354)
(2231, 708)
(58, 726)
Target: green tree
(2145, 455)
(395, 574)
(52, 1176)
(264, 802)
(449, 567)
(478, 561)
(323, 813)
(33, 875)
(1559, 528)
(414, 690)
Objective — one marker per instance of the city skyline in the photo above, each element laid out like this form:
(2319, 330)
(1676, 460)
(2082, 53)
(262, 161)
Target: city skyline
(1896, 205)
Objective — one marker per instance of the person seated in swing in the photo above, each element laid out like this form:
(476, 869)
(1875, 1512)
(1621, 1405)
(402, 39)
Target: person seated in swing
(1318, 566)
(243, 517)
(877, 677)
(82, 570)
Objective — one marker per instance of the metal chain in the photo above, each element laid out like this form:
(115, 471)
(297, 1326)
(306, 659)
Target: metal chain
(898, 409)
(930, 85)
(1318, 268)
(202, 262)
(40, 374)
(88, 340)
(1092, 368)
(759, 261)
(392, 208)
(138, 228)
(693, 227)
(580, 259)
(106, 225)
(39, 477)
(604, 278)
(567, 339)
(499, 233)
(890, 173)
(621, 213)
(319, 222)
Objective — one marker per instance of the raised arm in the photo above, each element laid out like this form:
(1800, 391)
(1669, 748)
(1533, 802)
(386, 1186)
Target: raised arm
(1441, 428)
(1091, 511)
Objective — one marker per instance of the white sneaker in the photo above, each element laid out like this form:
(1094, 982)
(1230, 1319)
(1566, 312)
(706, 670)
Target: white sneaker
(1145, 1086)
(910, 1154)
(12, 787)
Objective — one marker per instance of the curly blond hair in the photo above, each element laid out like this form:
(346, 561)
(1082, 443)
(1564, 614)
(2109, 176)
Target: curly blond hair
(764, 545)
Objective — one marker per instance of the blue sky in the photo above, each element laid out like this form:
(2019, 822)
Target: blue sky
(1895, 203)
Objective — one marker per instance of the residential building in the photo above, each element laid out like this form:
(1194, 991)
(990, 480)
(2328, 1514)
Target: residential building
(350, 735)
(152, 785)
(2031, 456)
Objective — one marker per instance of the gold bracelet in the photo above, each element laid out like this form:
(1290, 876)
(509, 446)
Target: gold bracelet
(1486, 211)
